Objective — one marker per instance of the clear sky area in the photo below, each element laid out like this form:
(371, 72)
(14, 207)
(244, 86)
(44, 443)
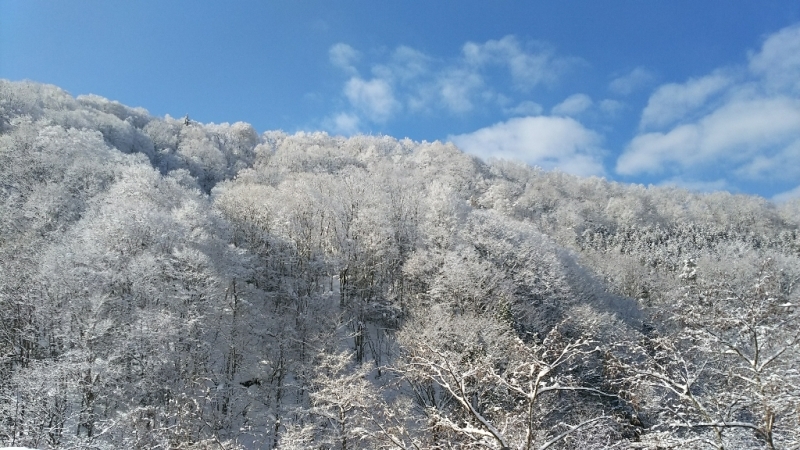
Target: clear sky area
(702, 94)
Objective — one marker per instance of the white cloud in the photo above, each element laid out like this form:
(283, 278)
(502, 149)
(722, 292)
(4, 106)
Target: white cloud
(344, 57)
(650, 153)
(787, 196)
(750, 126)
(408, 80)
(736, 133)
(456, 89)
(549, 142)
(782, 165)
(528, 68)
(611, 107)
(671, 102)
(737, 123)
(631, 82)
(526, 108)
(409, 63)
(422, 98)
(374, 98)
(778, 62)
(573, 105)
(343, 123)
(405, 65)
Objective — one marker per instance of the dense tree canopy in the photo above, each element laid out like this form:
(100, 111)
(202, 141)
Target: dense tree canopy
(171, 284)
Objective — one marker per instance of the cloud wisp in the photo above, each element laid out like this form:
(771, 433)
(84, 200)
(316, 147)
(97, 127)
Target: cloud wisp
(373, 98)
(743, 121)
(778, 62)
(344, 57)
(786, 196)
(573, 105)
(631, 82)
(524, 108)
(410, 81)
(529, 67)
(673, 102)
(740, 132)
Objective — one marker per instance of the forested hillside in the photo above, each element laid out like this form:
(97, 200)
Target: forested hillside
(177, 285)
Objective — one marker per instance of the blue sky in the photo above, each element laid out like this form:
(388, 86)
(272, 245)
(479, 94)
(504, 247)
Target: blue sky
(703, 94)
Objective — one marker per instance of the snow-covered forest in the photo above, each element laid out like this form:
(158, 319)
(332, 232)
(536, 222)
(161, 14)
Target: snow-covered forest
(167, 284)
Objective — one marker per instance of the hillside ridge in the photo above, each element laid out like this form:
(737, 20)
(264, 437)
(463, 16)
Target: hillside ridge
(171, 284)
